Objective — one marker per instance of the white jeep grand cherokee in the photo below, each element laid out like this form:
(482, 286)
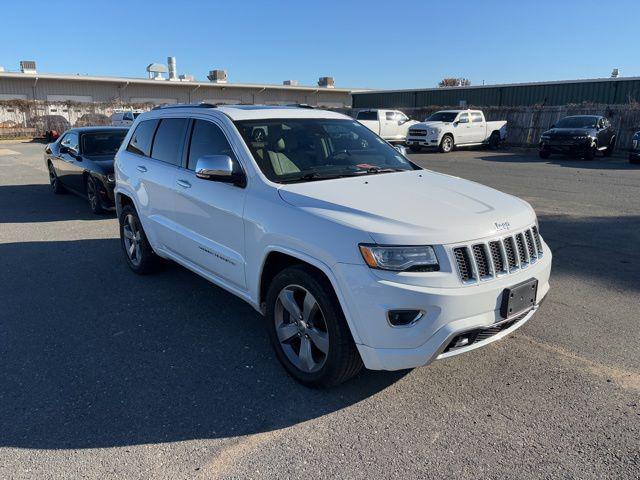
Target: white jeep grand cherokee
(354, 254)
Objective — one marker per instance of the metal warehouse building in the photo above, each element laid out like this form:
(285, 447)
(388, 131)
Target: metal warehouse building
(609, 91)
(55, 88)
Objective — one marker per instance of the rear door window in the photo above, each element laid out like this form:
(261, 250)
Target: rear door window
(168, 141)
(367, 115)
(140, 142)
(476, 117)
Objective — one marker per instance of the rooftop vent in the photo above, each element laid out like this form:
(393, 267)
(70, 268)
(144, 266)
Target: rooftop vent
(326, 82)
(186, 78)
(156, 70)
(217, 76)
(28, 66)
(615, 73)
(173, 71)
(291, 83)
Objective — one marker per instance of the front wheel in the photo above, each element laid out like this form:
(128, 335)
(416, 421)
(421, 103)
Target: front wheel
(54, 181)
(93, 195)
(590, 152)
(415, 148)
(137, 250)
(610, 149)
(308, 330)
(544, 154)
(446, 144)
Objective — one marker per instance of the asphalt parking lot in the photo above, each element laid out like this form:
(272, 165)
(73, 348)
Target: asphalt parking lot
(107, 374)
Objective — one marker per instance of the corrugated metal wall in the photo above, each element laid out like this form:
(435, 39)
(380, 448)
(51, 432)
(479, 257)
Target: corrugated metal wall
(604, 91)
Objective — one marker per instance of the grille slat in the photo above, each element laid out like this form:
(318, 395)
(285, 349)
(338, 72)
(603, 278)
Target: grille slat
(484, 261)
(496, 255)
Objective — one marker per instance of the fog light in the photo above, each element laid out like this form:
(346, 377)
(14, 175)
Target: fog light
(461, 342)
(404, 318)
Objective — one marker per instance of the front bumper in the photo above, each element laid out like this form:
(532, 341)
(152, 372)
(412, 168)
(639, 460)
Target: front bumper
(423, 141)
(569, 146)
(449, 312)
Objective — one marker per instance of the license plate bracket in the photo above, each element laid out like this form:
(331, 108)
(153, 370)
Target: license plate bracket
(519, 298)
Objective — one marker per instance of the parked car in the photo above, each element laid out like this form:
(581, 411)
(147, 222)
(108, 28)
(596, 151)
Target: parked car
(124, 118)
(354, 254)
(392, 125)
(634, 155)
(81, 161)
(579, 135)
(448, 129)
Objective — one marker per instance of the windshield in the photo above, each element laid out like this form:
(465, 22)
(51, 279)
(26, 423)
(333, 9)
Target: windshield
(442, 117)
(297, 150)
(586, 121)
(102, 143)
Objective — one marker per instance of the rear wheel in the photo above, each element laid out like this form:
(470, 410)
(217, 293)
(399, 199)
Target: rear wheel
(446, 144)
(54, 181)
(494, 141)
(138, 252)
(308, 330)
(544, 153)
(93, 196)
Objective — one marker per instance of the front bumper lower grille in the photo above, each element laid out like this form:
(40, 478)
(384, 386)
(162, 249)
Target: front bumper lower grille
(486, 260)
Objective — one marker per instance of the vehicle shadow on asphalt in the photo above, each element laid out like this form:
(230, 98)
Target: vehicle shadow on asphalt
(604, 249)
(96, 356)
(37, 203)
(598, 163)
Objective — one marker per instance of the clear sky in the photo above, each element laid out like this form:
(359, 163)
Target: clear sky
(373, 44)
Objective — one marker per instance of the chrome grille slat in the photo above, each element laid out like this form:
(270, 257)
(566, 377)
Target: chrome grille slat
(486, 260)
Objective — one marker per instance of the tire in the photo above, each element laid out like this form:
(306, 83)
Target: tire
(590, 153)
(54, 181)
(320, 330)
(544, 154)
(141, 257)
(93, 196)
(634, 160)
(415, 148)
(494, 141)
(446, 144)
(611, 148)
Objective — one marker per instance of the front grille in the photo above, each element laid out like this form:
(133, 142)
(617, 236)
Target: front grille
(484, 261)
(417, 133)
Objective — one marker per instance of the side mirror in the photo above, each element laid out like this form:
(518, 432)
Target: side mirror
(219, 168)
(401, 149)
(71, 151)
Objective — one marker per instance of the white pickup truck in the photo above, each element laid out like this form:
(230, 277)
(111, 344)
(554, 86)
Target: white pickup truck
(392, 125)
(448, 129)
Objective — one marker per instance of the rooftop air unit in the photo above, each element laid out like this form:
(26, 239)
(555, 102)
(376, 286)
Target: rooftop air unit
(217, 76)
(173, 71)
(156, 70)
(291, 83)
(186, 78)
(615, 73)
(28, 66)
(326, 82)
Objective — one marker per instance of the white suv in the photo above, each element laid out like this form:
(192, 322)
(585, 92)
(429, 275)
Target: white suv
(354, 254)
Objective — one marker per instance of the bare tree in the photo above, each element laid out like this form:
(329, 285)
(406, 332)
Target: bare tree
(454, 82)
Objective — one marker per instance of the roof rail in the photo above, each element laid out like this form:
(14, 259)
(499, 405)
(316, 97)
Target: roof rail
(185, 105)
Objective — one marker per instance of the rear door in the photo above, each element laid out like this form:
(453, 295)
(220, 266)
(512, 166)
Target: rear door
(369, 118)
(478, 128)
(210, 214)
(156, 148)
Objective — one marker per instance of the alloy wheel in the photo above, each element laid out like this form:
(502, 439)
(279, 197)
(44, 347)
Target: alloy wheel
(92, 195)
(53, 178)
(301, 328)
(132, 239)
(446, 144)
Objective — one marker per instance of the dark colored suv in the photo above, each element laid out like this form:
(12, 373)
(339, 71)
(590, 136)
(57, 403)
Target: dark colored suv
(583, 135)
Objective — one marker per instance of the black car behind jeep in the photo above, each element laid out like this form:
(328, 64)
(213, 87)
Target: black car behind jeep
(583, 135)
(634, 155)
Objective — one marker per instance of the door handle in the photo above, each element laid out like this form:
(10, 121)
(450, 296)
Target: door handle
(184, 184)
(141, 168)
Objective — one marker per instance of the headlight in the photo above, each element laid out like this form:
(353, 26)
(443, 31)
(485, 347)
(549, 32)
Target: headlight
(111, 177)
(400, 259)
(435, 131)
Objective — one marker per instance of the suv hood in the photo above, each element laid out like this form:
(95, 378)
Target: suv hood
(411, 208)
(569, 132)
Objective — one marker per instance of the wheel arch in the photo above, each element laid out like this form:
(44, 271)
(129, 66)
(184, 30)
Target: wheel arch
(277, 259)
